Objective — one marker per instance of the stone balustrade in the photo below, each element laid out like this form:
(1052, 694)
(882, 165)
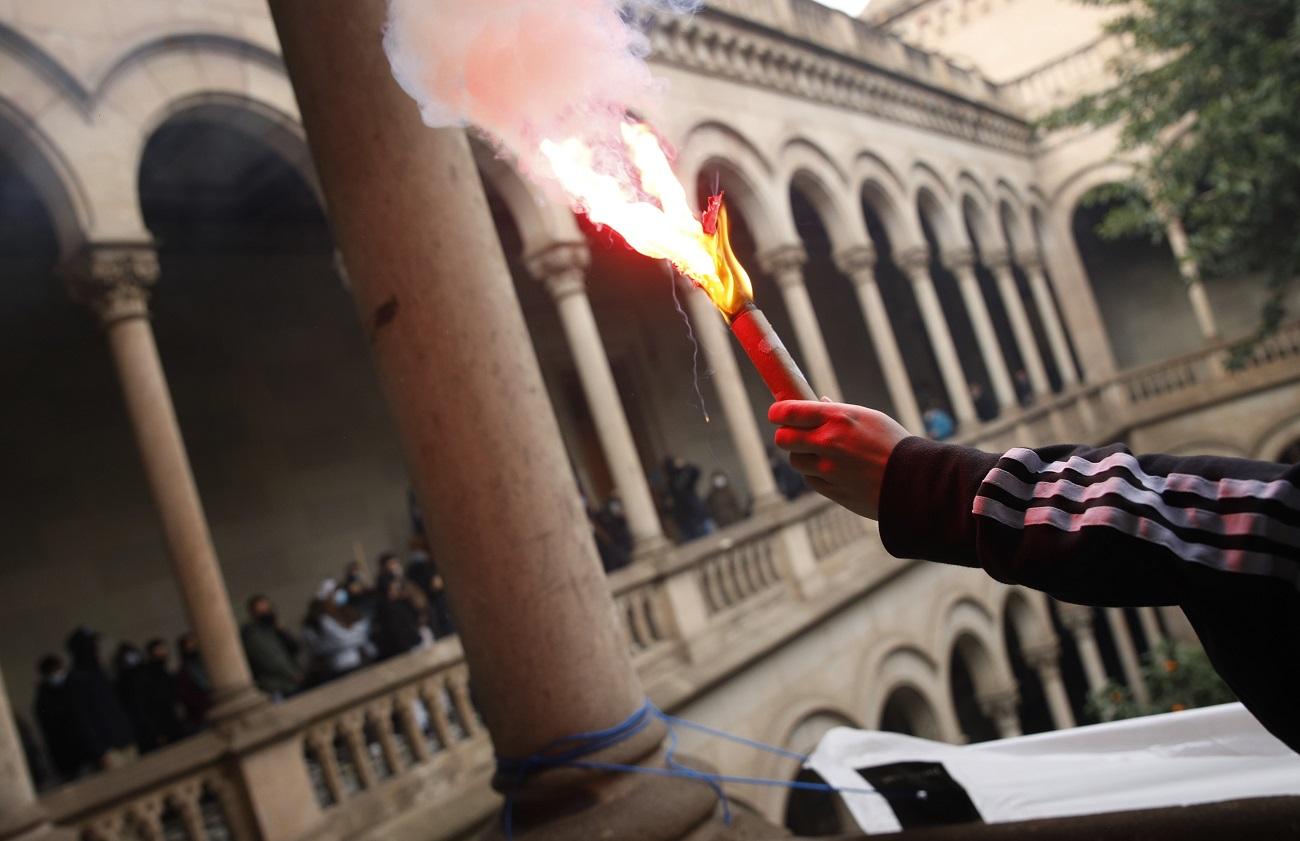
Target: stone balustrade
(405, 731)
(1054, 84)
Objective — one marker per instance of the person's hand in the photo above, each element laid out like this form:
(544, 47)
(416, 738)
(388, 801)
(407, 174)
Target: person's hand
(840, 449)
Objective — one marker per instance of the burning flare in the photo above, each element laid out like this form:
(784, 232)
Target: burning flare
(641, 199)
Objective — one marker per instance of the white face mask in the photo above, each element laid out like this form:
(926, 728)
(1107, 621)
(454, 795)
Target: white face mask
(719, 481)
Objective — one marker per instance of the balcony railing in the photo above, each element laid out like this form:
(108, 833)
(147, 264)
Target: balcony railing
(405, 731)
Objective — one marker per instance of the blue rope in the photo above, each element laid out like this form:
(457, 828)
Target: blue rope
(568, 752)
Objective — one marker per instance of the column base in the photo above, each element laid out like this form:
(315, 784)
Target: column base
(231, 705)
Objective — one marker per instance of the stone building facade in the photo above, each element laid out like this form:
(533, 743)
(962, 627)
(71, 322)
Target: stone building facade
(164, 244)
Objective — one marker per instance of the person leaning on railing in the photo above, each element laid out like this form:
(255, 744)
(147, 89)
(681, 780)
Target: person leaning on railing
(1220, 537)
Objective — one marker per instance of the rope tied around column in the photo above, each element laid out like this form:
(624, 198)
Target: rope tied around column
(569, 752)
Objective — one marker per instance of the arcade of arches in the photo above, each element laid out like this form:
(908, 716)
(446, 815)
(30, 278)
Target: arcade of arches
(908, 268)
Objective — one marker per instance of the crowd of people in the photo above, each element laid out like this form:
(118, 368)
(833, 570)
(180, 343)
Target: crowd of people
(91, 717)
(687, 511)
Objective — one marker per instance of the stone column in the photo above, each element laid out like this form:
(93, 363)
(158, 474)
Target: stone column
(537, 623)
(1078, 620)
(562, 268)
(915, 262)
(1045, 661)
(1000, 264)
(1001, 708)
(961, 262)
(1150, 626)
(1046, 305)
(860, 265)
(715, 340)
(114, 281)
(1191, 272)
(21, 815)
(1128, 656)
(785, 265)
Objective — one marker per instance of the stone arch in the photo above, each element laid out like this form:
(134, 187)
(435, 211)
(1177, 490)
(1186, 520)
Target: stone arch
(811, 812)
(1028, 612)
(1067, 195)
(1207, 447)
(933, 200)
(745, 173)
(1284, 436)
(541, 222)
(977, 212)
(878, 186)
(1013, 218)
(31, 82)
(896, 663)
(782, 729)
(808, 169)
(973, 625)
(906, 709)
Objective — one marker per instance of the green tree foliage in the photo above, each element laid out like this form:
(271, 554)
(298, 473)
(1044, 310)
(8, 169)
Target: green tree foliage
(1209, 92)
(1177, 678)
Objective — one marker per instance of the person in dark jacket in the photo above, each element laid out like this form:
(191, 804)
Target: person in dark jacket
(690, 512)
(159, 700)
(399, 617)
(102, 729)
(1219, 537)
(57, 719)
(724, 504)
(128, 667)
(272, 651)
(423, 573)
(788, 481)
(193, 687)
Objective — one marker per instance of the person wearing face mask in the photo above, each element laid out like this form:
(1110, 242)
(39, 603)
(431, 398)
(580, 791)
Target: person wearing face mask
(723, 503)
(56, 718)
(158, 701)
(272, 651)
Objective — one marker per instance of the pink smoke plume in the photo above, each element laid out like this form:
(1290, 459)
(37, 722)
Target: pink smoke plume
(523, 70)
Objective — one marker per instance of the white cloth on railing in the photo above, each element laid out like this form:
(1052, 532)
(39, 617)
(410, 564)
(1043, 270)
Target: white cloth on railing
(1177, 759)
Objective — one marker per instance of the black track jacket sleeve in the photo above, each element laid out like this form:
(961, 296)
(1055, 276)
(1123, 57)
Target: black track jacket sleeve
(1219, 537)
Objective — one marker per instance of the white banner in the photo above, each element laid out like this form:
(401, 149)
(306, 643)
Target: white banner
(1177, 759)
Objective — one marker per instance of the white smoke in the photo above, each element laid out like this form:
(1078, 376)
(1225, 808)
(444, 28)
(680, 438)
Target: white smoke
(522, 70)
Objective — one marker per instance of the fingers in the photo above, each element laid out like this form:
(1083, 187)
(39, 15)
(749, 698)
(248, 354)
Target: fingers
(794, 440)
(811, 464)
(801, 414)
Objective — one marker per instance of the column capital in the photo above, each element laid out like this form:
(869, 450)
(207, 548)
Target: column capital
(784, 263)
(915, 262)
(856, 259)
(1000, 703)
(1043, 657)
(998, 260)
(113, 279)
(959, 259)
(561, 267)
(1030, 261)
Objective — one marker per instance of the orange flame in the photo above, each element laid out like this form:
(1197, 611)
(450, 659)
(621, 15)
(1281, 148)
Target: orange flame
(647, 205)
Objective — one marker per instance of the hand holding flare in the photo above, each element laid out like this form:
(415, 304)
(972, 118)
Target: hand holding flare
(654, 217)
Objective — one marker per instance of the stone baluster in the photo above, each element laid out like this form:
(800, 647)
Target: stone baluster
(352, 724)
(915, 262)
(1045, 661)
(321, 741)
(145, 817)
(409, 719)
(999, 262)
(961, 262)
(434, 692)
(785, 266)
(563, 269)
(379, 717)
(1128, 656)
(859, 264)
(1150, 623)
(114, 281)
(1001, 708)
(458, 684)
(1078, 620)
(715, 341)
(186, 798)
(1046, 304)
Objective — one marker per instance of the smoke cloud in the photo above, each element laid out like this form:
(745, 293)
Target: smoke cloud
(523, 70)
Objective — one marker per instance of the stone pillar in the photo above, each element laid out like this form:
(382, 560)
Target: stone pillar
(1045, 661)
(1042, 293)
(961, 262)
(21, 815)
(1191, 272)
(562, 268)
(860, 265)
(1150, 626)
(1128, 656)
(915, 262)
(1078, 620)
(1000, 264)
(715, 340)
(537, 624)
(1001, 708)
(114, 281)
(785, 265)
